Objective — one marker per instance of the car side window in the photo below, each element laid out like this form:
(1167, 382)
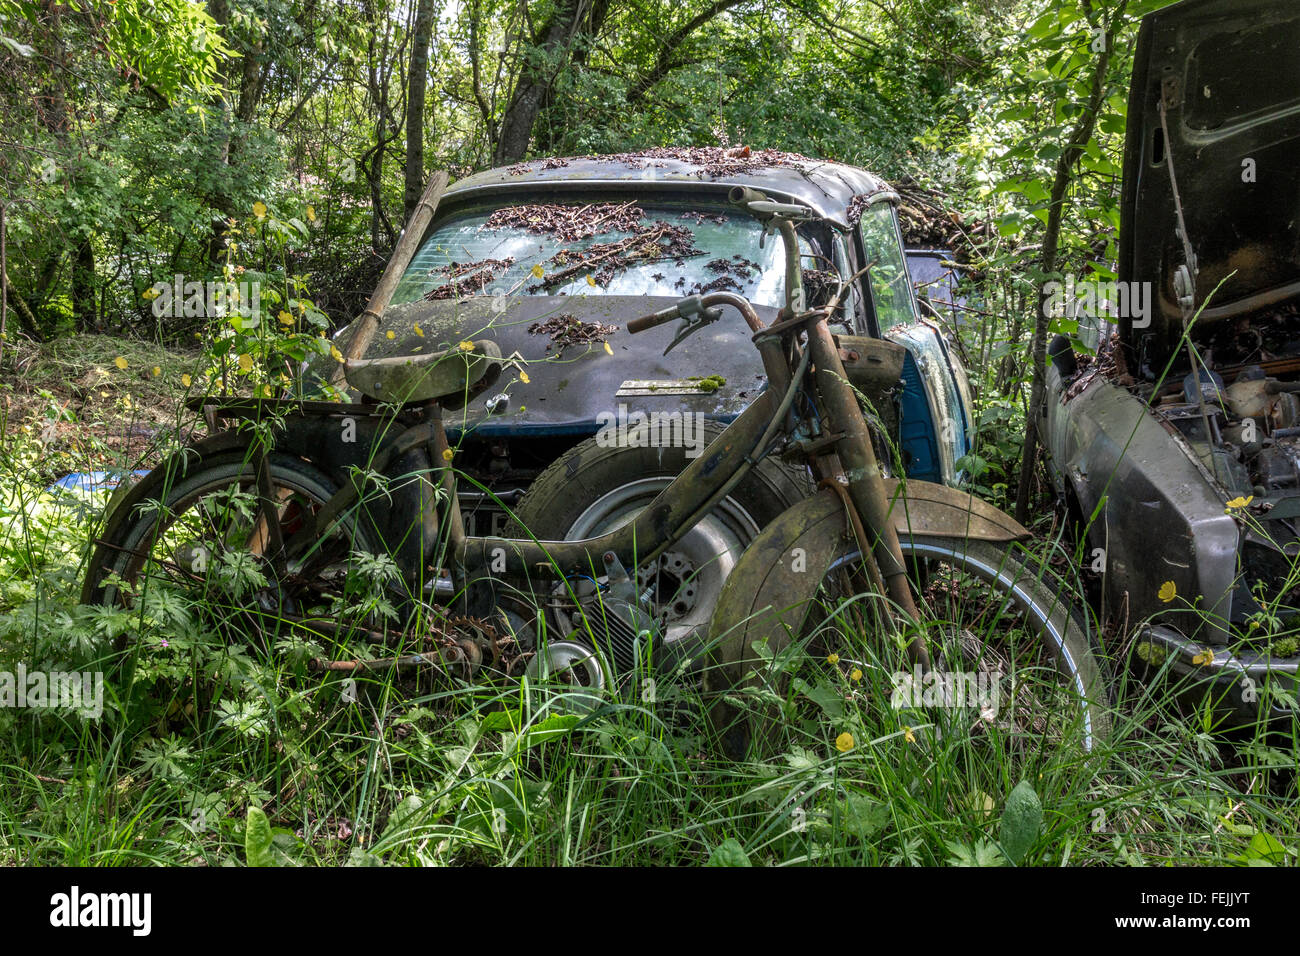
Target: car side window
(888, 279)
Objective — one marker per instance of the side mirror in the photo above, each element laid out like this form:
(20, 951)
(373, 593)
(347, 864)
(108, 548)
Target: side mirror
(1061, 353)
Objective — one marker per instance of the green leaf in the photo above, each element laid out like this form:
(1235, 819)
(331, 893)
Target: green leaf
(863, 816)
(359, 857)
(1035, 191)
(1264, 850)
(257, 838)
(1112, 124)
(556, 725)
(500, 720)
(1021, 820)
(403, 814)
(1044, 25)
(729, 853)
(974, 465)
(824, 696)
(1010, 225)
(982, 853)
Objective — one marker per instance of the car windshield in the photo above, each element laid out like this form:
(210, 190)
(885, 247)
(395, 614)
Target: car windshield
(891, 289)
(599, 248)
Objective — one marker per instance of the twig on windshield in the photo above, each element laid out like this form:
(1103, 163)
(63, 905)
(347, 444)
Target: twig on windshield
(838, 301)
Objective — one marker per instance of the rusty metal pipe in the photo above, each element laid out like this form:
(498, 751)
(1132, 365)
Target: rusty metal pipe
(737, 302)
(319, 665)
(656, 526)
(775, 365)
(866, 484)
(794, 297)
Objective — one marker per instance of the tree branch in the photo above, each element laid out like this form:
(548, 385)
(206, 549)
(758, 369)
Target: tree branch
(664, 62)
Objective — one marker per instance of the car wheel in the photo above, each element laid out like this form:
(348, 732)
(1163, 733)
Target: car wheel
(591, 490)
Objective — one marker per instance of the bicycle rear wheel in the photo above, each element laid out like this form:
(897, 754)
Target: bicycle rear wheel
(200, 532)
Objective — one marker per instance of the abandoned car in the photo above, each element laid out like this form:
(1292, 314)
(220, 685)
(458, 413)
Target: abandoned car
(1177, 449)
(549, 259)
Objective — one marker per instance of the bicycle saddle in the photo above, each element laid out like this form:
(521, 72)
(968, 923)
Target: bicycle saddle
(410, 379)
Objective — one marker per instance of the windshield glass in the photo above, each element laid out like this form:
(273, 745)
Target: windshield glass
(605, 248)
(891, 289)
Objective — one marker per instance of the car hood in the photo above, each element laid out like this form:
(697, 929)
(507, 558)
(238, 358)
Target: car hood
(1229, 76)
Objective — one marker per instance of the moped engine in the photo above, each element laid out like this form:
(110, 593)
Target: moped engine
(611, 618)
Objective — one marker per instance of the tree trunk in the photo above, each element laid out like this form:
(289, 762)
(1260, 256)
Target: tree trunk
(84, 304)
(669, 50)
(545, 61)
(245, 72)
(1051, 239)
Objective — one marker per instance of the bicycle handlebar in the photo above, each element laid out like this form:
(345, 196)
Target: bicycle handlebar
(655, 318)
(694, 305)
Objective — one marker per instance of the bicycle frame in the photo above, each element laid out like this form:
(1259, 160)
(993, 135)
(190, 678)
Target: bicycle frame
(690, 495)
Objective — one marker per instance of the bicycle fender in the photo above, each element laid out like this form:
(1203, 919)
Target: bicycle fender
(409, 506)
(933, 510)
(766, 596)
(767, 593)
(153, 485)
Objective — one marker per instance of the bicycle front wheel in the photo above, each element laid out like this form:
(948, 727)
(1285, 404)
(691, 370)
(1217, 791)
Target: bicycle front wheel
(1012, 659)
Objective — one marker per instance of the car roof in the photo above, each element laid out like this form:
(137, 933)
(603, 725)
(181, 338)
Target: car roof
(828, 188)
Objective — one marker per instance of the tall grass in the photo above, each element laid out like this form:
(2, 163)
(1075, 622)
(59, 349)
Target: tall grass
(202, 732)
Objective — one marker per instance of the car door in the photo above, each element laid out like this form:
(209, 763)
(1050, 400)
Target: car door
(934, 413)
